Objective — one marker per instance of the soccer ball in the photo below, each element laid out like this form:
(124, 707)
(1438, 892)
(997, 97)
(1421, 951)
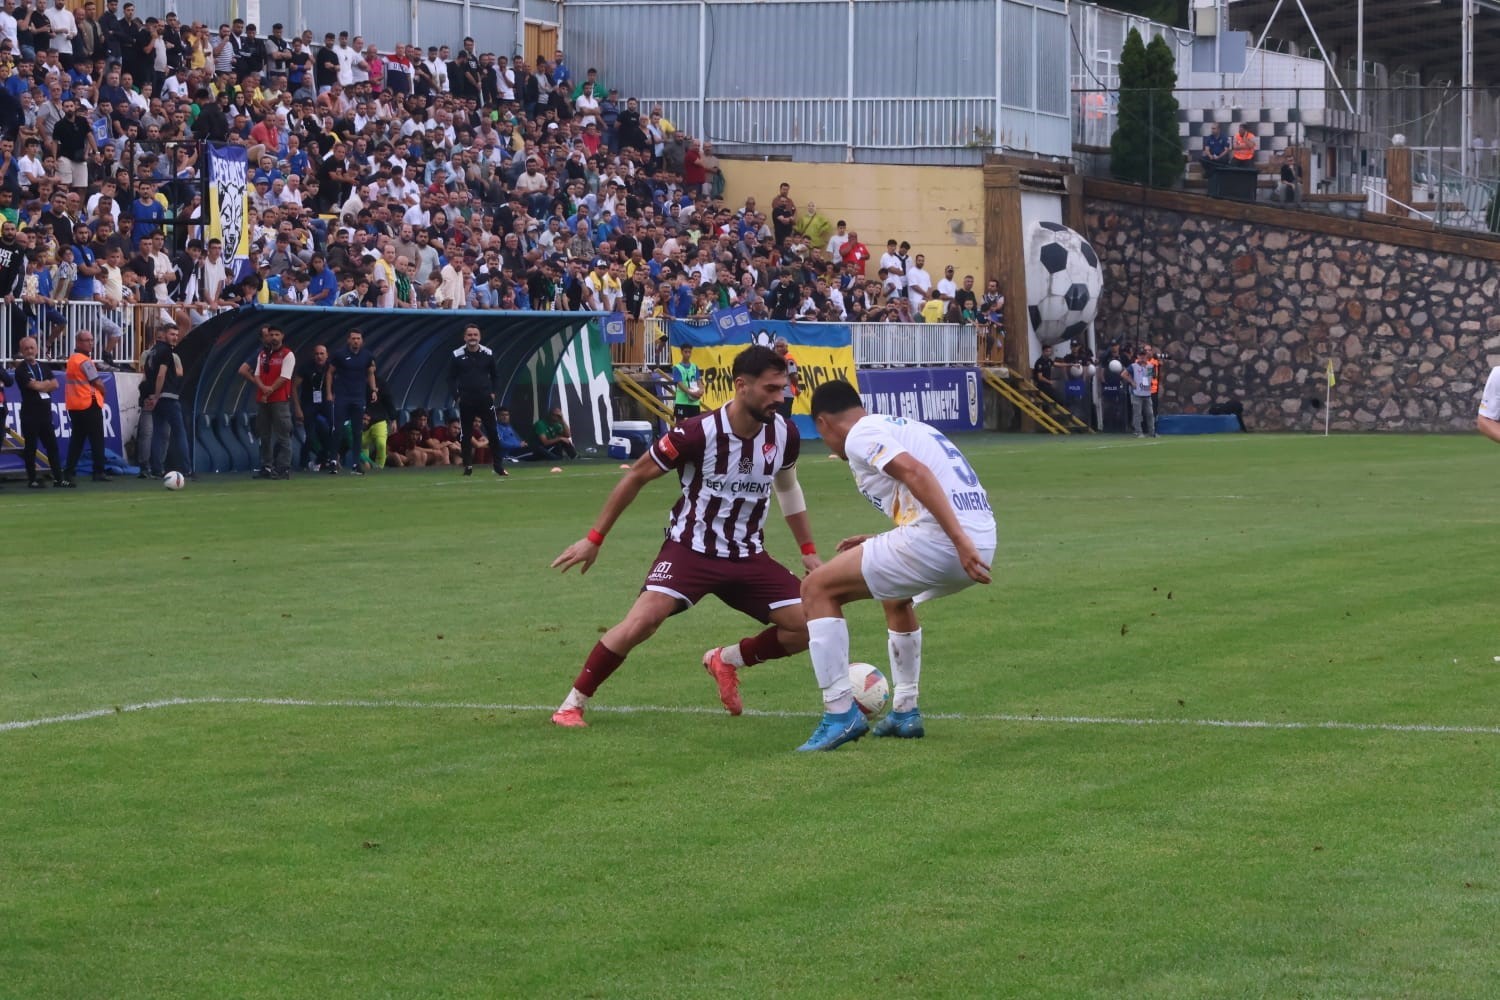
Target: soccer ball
(1063, 282)
(871, 690)
(174, 480)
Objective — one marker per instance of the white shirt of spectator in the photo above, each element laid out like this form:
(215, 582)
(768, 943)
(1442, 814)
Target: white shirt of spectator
(112, 290)
(8, 31)
(114, 208)
(405, 190)
(210, 279)
(947, 289)
(505, 83)
(162, 265)
(836, 296)
(346, 57)
(417, 216)
(587, 109)
(174, 86)
(892, 263)
(359, 69)
(836, 243)
(29, 170)
(918, 284)
(64, 27)
(439, 71)
(893, 287)
(704, 273)
(1489, 404)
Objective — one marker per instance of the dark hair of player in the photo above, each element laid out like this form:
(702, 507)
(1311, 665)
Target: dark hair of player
(755, 361)
(834, 397)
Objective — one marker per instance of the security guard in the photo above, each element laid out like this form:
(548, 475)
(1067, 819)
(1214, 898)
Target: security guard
(474, 380)
(37, 383)
(689, 382)
(83, 390)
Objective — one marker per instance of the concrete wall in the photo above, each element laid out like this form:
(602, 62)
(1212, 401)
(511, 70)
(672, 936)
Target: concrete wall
(1251, 304)
(916, 204)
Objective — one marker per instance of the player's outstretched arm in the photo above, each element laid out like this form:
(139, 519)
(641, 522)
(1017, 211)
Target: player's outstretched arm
(1489, 428)
(794, 508)
(928, 492)
(584, 551)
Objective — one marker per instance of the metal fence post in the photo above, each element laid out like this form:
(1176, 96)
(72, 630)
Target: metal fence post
(849, 88)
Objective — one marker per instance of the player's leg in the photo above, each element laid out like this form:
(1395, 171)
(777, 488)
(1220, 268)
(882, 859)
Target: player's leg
(651, 608)
(466, 415)
(492, 433)
(824, 593)
(768, 592)
(904, 647)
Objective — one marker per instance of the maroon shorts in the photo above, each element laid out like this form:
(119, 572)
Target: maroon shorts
(757, 585)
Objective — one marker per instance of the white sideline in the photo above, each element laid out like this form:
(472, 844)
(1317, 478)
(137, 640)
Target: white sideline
(1055, 720)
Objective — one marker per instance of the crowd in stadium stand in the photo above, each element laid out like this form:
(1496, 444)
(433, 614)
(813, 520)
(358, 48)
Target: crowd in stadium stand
(396, 178)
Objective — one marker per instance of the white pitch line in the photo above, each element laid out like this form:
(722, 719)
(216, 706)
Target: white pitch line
(469, 706)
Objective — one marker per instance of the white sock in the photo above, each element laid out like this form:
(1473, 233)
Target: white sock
(575, 699)
(828, 645)
(730, 654)
(906, 667)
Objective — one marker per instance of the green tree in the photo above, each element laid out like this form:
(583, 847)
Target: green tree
(1146, 147)
(1166, 139)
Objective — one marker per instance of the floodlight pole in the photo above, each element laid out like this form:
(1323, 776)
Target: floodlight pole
(1307, 19)
(1466, 117)
(1359, 57)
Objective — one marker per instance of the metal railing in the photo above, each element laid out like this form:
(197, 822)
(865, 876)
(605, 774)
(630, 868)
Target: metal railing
(125, 333)
(878, 345)
(861, 122)
(1455, 176)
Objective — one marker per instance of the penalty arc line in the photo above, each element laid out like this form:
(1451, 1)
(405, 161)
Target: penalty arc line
(1054, 720)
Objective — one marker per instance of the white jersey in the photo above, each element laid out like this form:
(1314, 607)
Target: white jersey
(1489, 405)
(876, 439)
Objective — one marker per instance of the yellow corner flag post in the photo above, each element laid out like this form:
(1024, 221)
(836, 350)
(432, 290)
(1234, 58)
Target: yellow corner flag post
(1328, 398)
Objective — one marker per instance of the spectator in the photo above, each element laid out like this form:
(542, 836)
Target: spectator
(507, 443)
(1216, 149)
(1289, 188)
(918, 283)
(554, 437)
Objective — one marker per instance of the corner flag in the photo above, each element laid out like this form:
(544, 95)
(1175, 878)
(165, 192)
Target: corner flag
(1331, 382)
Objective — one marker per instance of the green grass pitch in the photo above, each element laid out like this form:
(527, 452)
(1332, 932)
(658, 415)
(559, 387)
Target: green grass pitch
(1072, 825)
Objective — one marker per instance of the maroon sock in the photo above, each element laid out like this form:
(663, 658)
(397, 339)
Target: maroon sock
(762, 647)
(602, 662)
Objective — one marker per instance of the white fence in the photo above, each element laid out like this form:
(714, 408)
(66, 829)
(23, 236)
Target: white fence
(876, 345)
(55, 327)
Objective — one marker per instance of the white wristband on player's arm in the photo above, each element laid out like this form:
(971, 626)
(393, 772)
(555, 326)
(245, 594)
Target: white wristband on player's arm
(789, 493)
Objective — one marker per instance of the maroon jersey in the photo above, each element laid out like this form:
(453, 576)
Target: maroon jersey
(726, 481)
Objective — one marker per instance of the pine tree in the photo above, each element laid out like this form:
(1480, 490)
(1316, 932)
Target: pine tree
(1128, 148)
(1166, 144)
(1147, 147)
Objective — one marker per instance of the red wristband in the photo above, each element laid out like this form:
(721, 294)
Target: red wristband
(809, 548)
(595, 537)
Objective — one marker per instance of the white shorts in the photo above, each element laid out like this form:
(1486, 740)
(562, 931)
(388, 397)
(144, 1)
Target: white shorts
(916, 562)
(72, 173)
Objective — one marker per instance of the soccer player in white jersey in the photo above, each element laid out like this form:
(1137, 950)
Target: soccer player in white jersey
(1489, 407)
(730, 463)
(943, 542)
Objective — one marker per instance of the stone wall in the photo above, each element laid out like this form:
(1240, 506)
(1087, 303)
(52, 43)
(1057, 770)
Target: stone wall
(1252, 311)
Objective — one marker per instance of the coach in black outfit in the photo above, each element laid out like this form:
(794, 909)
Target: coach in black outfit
(474, 381)
(37, 383)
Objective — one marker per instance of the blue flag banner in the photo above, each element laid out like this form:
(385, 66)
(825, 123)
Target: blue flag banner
(727, 321)
(614, 328)
(683, 333)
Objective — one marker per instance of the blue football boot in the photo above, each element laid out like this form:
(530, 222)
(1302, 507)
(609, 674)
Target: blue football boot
(837, 729)
(902, 725)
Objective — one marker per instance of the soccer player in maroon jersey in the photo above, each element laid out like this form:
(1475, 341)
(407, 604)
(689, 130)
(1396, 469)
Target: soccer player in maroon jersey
(730, 462)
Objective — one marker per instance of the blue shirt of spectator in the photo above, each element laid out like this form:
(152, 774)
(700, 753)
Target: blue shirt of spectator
(83, 285)
(680, 306)
(509, 439)
(561, 74)
(321, 283)
(297, 163)
(147, 214)
(16, 85)
(114, 94)
(523, 297)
